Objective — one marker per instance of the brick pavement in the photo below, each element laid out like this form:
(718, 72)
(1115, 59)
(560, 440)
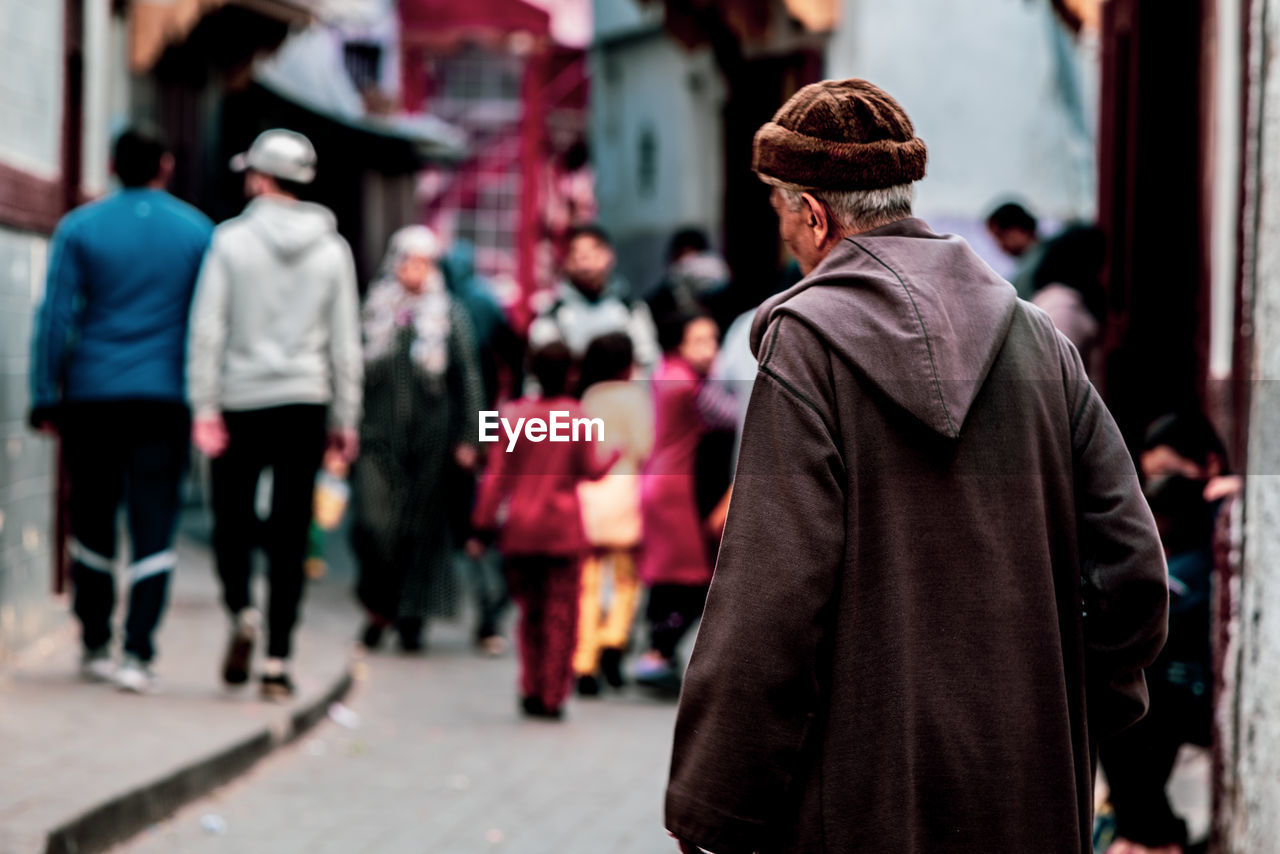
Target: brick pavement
(69, 747)
(441, 762)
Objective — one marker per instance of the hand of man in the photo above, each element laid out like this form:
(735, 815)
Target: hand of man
(209, 435)
(43, 421)
(345, 441)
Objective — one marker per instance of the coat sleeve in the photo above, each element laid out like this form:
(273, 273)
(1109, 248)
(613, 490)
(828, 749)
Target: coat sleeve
(345, 356)
(754, 684)
(54, 332)
(209, 322)
(1125, 592)
(464, 362)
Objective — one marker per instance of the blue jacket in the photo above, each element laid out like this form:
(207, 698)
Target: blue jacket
(113, 324)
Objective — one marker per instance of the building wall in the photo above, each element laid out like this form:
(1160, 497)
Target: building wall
(1255, 762)
(31, 85)
(26, 460)
(656, 138)
(31, 75)
(1003, 96)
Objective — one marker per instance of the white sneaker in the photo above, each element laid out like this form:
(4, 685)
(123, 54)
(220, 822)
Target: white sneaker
(135, 676)
(96, 665)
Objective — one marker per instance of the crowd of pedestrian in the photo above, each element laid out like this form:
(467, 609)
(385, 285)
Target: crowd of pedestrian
(866, 580)
(250, 342)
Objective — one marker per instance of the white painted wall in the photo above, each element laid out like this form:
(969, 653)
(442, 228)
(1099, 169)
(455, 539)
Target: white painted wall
(1225, 199)
(1254, 825)
(31, 85)
(106, 93)
(611, 18)
(650, 87)
(979, 80)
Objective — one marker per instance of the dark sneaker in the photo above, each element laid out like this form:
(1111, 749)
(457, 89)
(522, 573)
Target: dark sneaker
(411, 635)
(277, 688)
(533, 707)
(235, 664)
(588, 686)
(371, 637)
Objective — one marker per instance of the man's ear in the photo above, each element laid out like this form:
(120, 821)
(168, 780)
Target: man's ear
(816, 219)
(167, 166)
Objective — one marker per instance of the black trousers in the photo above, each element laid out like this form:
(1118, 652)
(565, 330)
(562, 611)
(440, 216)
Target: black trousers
(135, 453)
(289, 440)
(672, 611)
(1139, 761)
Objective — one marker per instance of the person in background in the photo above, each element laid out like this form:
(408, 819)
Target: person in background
(500, 351)
(1067, 286)
(676, 559)
(1015, 231)
(276, 374)
(611, 511)
(696, 279)
(590, 302)
(107, 374)
(1184, 464)
(422, 396)
(529, 494)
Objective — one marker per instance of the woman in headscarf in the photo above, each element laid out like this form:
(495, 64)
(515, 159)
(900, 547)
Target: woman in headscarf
(422, 395)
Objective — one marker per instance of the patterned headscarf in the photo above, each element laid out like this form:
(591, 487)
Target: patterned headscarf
(389, 307)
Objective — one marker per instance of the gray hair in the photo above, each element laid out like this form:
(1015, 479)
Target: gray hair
(856, 210)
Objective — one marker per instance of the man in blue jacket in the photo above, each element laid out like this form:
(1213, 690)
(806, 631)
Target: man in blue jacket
(107, 374)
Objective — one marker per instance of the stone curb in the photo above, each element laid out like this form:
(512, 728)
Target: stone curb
(128, 814)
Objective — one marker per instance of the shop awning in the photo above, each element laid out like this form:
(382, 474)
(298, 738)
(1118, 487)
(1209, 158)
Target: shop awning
(308, 70)
(154, 25)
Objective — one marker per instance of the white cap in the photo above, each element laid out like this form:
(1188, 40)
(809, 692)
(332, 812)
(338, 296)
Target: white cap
(280, 153)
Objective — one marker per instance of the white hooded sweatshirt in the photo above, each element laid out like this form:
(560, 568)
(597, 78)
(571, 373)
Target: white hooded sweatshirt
(276, 317)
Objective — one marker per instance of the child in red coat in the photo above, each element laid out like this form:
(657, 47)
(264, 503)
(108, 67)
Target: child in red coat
(530, 493)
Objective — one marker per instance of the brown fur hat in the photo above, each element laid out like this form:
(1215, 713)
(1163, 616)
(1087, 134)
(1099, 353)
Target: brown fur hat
(839, 135)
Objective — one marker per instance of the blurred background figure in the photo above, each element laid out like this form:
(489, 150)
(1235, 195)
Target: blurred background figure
(274, 363)
(107, 372)
(696, 279)
(590, 301)
(1015, 231)
(611, 511)
(500, 351)
(529, 493)
(1067, 285)
(677, 557)
(423, 390)
(1184, 465)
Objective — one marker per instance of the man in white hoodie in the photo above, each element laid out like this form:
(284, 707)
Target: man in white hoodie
(275, 375)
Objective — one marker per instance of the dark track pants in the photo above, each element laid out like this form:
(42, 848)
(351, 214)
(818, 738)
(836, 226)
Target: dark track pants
(289, 440)
(545, 589)
(133, 452)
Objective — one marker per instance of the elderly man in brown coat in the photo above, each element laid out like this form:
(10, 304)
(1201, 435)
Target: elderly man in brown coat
(939, 581)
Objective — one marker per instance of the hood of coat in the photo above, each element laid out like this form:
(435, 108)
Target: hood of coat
(289, 228)
(918, 314)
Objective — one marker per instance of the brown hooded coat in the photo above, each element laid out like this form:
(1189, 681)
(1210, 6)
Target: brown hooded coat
(938, 583)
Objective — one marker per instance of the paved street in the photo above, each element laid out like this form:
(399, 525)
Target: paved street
(439, 762)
